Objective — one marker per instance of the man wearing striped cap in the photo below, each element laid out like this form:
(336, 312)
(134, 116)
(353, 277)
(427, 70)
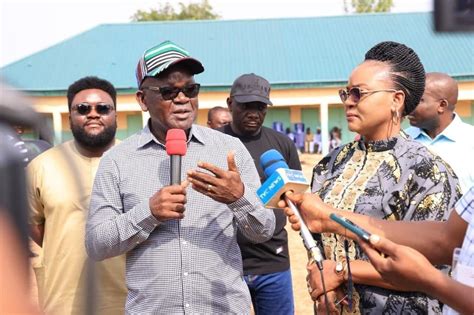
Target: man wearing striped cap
(180, 240)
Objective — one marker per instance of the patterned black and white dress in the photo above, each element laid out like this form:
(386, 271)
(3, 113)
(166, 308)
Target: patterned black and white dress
(394, 179)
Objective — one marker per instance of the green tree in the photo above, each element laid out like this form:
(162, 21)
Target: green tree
(165, 12)
(368, 6)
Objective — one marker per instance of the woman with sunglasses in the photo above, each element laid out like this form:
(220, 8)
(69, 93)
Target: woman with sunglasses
(384, 175)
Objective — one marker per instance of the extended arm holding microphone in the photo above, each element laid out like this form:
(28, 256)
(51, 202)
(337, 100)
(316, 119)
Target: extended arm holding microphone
(434, 239)
(316, 213)
(281, 180)
(308, 239)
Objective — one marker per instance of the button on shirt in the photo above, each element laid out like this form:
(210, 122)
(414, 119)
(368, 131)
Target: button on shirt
(191, 265)
(455, 145)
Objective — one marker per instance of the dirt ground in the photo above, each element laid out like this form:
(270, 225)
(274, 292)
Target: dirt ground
(298, 256)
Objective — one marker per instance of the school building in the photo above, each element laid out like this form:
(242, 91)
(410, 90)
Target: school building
(306, 60)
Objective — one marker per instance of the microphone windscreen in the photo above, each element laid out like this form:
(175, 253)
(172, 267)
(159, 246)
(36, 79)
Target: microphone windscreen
(176, 142)
(272, 160)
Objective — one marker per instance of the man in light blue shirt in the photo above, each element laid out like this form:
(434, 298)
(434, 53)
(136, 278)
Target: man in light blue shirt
(436, 125)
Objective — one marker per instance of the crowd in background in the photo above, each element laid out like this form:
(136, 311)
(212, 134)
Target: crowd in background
(205, 243)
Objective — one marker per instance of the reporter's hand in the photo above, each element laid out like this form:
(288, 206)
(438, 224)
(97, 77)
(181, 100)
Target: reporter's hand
(168, 203)
(223, 186)
(314, 211)
(404, 267)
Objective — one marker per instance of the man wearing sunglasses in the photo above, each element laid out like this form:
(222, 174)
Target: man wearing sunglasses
(266, 265)
(180, 240)
(437, 126)
(59, 187)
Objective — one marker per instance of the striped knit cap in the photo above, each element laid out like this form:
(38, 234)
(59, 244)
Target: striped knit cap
(161, 56)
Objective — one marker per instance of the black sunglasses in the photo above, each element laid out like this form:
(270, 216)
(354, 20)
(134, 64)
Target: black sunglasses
(169, 93)
(356, 93)
(101, 109)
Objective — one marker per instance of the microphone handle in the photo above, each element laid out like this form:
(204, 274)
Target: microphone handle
(308, 239)
(175, 169)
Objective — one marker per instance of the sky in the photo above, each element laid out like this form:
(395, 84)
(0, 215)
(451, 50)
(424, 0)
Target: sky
(28, 26)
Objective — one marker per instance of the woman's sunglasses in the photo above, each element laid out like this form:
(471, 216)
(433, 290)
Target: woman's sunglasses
(355, 93)
(101, 109)
(169, 93)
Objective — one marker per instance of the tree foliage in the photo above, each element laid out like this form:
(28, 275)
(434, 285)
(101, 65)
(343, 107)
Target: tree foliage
(165, 12)
(368, 6)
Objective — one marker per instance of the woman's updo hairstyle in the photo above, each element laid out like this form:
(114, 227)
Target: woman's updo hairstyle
(407, 70)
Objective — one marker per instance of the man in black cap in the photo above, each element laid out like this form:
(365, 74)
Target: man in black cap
(182, 252)
(266, 265)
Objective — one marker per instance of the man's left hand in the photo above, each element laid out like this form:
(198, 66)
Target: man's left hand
(223, 186)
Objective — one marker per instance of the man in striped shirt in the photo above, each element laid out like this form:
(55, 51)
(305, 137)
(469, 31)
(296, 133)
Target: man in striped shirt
(180, 240)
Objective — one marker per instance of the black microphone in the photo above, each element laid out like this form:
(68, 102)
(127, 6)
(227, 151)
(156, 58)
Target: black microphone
(175, 148)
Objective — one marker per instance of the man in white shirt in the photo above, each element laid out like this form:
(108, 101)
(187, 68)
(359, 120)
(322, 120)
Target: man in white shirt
(436, 125)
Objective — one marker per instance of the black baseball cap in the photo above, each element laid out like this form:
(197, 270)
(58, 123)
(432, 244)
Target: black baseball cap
(251, 88)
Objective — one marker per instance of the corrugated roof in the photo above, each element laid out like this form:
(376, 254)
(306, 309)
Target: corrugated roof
(291, 52)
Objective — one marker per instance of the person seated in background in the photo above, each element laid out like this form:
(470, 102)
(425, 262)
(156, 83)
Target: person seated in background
(308, 141)
(217, 117)
(318, 142)
(334, 138)
(383, 175)
(436, 125)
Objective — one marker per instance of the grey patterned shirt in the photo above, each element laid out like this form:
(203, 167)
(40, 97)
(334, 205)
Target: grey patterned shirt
(187, 266)
(394, 179)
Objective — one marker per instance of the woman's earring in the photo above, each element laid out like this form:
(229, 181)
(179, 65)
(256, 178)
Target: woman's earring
(395, 116)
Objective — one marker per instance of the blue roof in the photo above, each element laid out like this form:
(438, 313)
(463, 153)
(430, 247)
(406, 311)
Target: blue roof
(291, 52)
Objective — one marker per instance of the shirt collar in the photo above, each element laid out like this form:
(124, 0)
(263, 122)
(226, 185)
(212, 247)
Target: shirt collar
(453, 131)
(197, 133)
(146, 136)
(414, 132)
(378, 145)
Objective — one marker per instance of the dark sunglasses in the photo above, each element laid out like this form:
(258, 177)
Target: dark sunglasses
(101, 109)
(356, 93)
(169, 93)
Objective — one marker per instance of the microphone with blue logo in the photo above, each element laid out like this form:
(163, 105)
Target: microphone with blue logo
(281, 179)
